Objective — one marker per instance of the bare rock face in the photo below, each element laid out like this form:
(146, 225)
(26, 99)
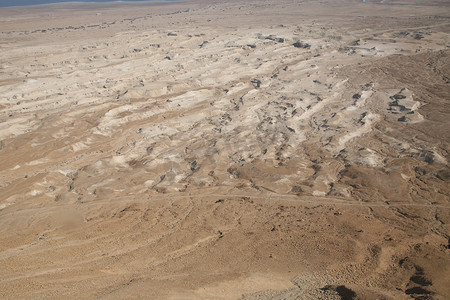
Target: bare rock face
(201, 150)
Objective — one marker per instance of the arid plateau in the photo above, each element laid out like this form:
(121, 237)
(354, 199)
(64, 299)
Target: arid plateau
(225, 150)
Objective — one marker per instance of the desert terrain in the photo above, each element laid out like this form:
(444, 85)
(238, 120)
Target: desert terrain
(225, 150)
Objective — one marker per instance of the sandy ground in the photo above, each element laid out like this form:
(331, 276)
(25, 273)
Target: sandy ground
(225, 150)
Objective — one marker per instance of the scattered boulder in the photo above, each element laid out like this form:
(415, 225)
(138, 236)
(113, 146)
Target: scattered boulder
(398, 96)
(299, 44)
(271, 37)
(193, 166)
(356, 96)
(256, 83)
(296, 189)
(403, 119)
(274, 38)
(418, 36)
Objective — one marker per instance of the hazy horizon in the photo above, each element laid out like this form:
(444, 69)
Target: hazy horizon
(10, 3)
